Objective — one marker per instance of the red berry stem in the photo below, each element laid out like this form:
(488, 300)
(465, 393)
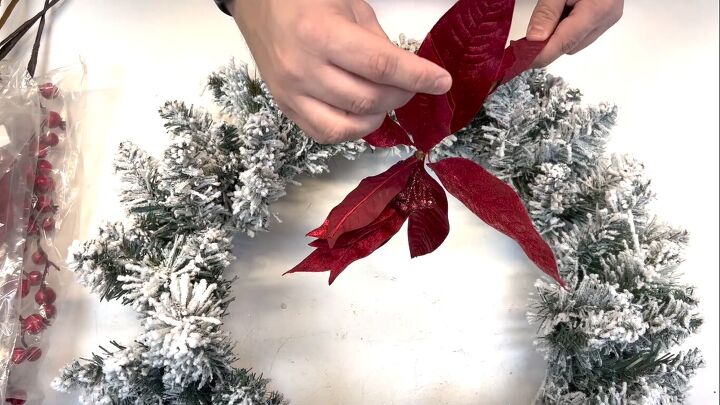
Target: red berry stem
(40, 223)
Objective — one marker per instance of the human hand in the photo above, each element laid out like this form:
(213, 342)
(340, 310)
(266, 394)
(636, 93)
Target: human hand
(587, 20)
(330, 66)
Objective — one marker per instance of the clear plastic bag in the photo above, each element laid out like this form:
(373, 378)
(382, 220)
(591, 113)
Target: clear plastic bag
(48, 195)
(20, 124)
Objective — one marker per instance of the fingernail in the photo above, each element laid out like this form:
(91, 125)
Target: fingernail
(536, 32)
(443, 84)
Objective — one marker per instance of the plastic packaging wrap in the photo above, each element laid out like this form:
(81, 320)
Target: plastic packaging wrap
(42, 194)
(20, 124)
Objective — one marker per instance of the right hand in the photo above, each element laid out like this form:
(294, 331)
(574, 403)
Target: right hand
(330, 66)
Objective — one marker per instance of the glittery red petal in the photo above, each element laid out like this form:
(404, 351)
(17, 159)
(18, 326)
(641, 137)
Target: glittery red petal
(365, 203)
(498, 205)
(388, 135)
(337, 259)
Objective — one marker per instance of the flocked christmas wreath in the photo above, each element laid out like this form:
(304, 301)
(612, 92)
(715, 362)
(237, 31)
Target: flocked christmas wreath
(611, 337)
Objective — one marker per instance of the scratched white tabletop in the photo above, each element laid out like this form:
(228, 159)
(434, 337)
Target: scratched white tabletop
(449, 328)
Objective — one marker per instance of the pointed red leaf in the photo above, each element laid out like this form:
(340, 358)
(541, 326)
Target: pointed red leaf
(469, 42)
(318, 243)
(518, 57)
(338, 259)
(365, 203)
(427, 117)
(388, 135)
(498, 205)
(351, 237)
(319, 232)
(425, 200)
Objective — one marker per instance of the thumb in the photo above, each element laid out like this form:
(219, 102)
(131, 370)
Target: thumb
(544, 19)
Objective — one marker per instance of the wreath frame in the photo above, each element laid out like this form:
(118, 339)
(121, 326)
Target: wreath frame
(612, 338)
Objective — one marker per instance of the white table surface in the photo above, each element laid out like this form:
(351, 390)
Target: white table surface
(449, 328)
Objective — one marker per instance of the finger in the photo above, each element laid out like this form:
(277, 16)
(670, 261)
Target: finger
(569, 34)
(380, 61)
(349, 92)
(327, 124)
(544, 19)
(611, 15)
(589, 39)
(365, 17)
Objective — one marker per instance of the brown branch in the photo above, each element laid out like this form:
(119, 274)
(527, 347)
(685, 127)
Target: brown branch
(8, 43)
(7, 12)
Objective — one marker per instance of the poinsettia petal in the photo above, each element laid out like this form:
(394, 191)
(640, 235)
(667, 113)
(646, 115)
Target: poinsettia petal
(319, 232)
(365, 203)
(318, 243)
(351, 237)
(469, 42)
(426, 202)
(427, 117)
(388, 135)
(498, 205)
(337, 259)
(518, 57)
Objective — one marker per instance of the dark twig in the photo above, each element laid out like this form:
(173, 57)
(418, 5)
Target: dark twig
(9, 43)
(32, 64)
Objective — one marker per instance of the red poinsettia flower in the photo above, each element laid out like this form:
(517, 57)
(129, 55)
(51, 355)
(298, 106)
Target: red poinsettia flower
(469, 42)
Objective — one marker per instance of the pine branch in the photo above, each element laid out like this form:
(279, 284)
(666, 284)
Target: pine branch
(610, 339)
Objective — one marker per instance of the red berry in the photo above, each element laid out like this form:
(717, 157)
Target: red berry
(33, 324)
(48, 90)
(54, 120)
(45, 295)
(44, 203)
(50, 139)
(48, 224)
(18, 355)
(38, 258)
(48, 311)
(44, 167)
(15, 401)
(24, 288)
(35, 278)
(33, 353)
(44, 183)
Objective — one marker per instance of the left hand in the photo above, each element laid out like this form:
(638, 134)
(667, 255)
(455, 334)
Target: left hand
(586, 22)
